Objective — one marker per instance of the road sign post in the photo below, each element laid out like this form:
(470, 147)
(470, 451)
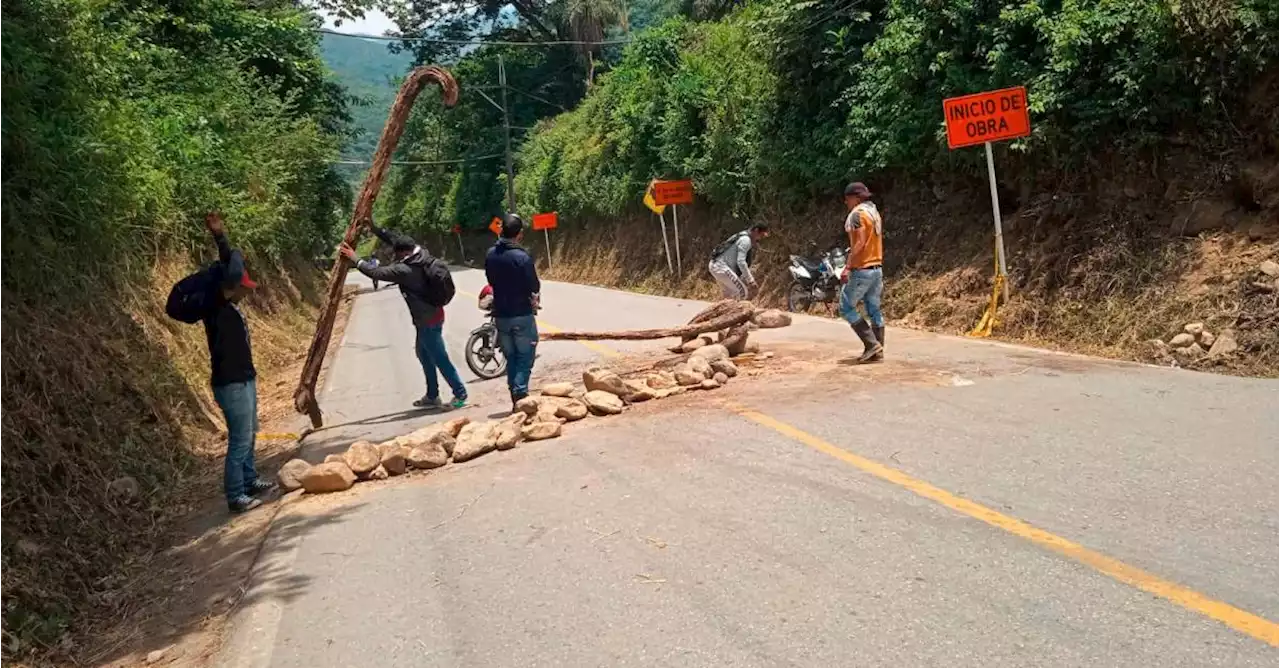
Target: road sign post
(983, 118)
(545, 222)
(658, 209)
(674, 193)
(462, 253)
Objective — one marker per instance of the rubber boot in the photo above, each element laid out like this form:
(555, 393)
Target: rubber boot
(870, 346)
(879, 332)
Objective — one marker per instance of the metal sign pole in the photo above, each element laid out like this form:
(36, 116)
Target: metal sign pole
(675, 229)
(666, 247)
(546, 234)
(462, 253)
(995, 216)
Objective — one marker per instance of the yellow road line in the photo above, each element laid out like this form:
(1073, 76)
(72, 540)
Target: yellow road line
(1244, 622)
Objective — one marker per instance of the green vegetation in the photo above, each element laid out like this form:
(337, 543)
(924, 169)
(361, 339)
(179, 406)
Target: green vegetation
(782, 100)
(123, 123)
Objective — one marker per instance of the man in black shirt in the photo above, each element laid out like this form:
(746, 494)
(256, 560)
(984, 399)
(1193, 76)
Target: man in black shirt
(234, 378)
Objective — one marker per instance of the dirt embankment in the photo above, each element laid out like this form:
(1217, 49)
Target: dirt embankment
(112, 440)
(1103, 257)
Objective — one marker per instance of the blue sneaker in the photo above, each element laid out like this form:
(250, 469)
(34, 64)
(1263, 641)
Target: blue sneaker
(243, 504)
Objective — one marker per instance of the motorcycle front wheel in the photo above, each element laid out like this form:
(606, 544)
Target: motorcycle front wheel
(799, 297)
(484, 357)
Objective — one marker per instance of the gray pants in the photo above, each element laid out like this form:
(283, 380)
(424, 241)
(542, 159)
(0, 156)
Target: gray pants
(730, 284)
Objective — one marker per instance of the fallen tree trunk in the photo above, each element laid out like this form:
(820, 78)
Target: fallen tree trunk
(729, 314)
(304, 398)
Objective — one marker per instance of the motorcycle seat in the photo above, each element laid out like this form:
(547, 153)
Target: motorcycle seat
(812, 266)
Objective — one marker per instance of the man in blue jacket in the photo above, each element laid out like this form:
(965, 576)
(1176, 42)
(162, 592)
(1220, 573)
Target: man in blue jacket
(514, 278)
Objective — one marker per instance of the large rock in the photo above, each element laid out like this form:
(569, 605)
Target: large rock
(771, 319)
(529, 405)
(600, 402)
(699, 365)
(430, 455)
(1206, 339)
(1189, 353)
(540, 430)
(720, 378)
(362, 457)
(557, 389)
(378, 473)
(686, 377)
(691, 345)
(604, 380)
(1193, 328)
(546, 414)
(661, 380)
(669, 392)
(1225, 344)
(335, 457)
(709, 384)
(474, 440)
(392, 456)
(1269, 268)
(710, 353)
(454, 427)
(726, 367)
(291, 474)
(507, 433)
(572, 410)
(638, 391)
(1182, 340)
(328, 477)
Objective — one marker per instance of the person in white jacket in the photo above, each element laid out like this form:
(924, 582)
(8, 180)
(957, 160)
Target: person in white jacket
(730, 262)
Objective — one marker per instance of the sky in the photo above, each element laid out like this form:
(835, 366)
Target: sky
(373, 23)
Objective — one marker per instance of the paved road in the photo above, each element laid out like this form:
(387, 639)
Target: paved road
(963, 504)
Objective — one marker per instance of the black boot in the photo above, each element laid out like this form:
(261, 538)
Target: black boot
(870, 346)
(878, 330)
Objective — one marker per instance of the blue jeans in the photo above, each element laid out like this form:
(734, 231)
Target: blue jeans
(432, 355)
(865, 285)
(518, 338)
(239, 404)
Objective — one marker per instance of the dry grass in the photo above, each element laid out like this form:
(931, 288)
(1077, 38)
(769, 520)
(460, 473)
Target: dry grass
(96, 390)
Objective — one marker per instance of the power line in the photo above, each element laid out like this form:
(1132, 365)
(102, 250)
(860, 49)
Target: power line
(473, 42)
(423, 162)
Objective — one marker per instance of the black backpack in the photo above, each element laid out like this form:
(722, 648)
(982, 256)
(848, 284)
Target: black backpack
(440, 288)
(192, 297)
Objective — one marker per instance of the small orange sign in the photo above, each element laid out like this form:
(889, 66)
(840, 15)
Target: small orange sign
(993, 116)
(457, 229)
(545, 221)
(673, 192)
(495, 226)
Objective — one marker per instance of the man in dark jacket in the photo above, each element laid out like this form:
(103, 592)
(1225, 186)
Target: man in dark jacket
(511, 271)
(234, 379)
(409, 272)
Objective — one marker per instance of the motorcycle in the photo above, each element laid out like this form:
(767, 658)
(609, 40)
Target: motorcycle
(815, 278)
(484, 355)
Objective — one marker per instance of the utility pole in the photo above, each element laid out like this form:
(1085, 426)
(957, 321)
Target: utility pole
(506, 127)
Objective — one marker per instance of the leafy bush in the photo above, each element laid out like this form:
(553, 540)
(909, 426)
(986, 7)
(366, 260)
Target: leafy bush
(782, 101)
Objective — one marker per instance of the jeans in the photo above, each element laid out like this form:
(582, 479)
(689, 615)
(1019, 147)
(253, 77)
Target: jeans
(865, 285)
(432, 355)
(239, 404)
(518, 338)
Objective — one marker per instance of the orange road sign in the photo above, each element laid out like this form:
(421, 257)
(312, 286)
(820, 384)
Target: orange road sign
(986, 117)
(545, 221)
(673, 192)
(495, 225)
